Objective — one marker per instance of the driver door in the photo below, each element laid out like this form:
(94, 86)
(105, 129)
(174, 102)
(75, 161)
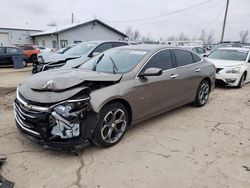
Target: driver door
(154, 93)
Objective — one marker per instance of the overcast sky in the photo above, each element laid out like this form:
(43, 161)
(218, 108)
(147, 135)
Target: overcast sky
(156, 18)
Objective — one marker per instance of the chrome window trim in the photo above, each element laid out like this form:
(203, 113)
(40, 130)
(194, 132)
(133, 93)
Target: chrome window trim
(136, 77)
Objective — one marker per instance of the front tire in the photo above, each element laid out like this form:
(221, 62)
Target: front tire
(242, 81)
(112, 125)
(202, 94)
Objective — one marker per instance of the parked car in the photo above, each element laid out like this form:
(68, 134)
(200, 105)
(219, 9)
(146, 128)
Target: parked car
(232, 66)
(223, 45)
(8, 53)
(30, 53)
(78, 54)
(66, 109)
(199, 50)
(44, 50)
(45, 57)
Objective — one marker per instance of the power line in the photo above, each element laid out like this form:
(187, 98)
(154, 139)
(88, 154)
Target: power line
(162, 15)
(173, 19)
(215, 18)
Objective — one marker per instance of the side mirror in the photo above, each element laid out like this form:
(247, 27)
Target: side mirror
(249, 60)
(151, 72)
(94, 54)
(205, 55)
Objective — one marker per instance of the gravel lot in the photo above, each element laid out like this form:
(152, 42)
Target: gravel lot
(187, 147)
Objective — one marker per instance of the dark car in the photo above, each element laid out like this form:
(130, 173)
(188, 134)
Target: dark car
(7, 55)
(67, 109)
(76, 55)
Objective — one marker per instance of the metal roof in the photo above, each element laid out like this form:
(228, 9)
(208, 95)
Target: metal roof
(63, 28)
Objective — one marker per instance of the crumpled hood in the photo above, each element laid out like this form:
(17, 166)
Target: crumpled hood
(60, 80)
(224, 63)
(55, 57)
(75, 62)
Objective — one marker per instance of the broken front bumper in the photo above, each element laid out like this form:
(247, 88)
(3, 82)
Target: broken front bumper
(35, 123)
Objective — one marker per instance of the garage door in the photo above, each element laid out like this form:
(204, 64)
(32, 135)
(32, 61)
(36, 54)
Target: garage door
(4, 39)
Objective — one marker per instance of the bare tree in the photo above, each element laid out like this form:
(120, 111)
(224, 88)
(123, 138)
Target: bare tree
(203, 36)
(183, 37)
(210, 37)
(137, 35)
(244, 36)
(172, 38)
(132, 34)
(129, 33)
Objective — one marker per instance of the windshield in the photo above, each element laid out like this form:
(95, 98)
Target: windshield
(233, 55)
(80, 49)
(115, 61)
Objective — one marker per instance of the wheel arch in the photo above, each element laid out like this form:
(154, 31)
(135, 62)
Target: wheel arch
(209, 82)
(123, 102)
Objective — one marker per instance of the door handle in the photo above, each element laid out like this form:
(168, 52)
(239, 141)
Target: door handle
(197, 70)
(173, 76)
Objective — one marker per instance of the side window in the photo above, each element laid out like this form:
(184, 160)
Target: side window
(103, 47)
(195, 50)
(196, 58)
(183, 57)
(117, 44)
(1, 50)
(201, 51)
(161, 60)
(12, 50)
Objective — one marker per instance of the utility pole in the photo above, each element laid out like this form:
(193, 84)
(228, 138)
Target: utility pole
(224, 23)
(72, 17)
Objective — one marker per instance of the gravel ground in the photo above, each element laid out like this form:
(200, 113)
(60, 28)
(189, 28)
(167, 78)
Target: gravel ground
(187, 147)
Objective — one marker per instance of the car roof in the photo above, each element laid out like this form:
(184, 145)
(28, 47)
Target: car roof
(104, 41)
(9, 47)
(234, 48)
(149, 47)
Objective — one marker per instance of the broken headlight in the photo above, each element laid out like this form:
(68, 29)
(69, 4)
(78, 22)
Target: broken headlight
(71, 107)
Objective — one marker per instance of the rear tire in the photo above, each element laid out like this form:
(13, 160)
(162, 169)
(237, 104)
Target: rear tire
(24, 63)
(242, 80)
(111, 126)
(202, 94)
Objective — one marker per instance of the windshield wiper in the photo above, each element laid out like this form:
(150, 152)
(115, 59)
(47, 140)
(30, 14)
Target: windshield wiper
(96, 63)
(114, 65)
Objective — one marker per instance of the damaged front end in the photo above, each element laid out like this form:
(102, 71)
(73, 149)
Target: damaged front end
(60, 126)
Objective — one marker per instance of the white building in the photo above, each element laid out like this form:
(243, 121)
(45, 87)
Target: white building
(61, 36)
(14, 36)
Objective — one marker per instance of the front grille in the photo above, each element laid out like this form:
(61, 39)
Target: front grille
(32, 122)
(218, 70)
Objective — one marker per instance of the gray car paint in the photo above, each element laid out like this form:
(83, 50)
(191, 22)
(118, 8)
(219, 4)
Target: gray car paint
(146, 96)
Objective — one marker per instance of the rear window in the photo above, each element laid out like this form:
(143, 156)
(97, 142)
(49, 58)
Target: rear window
(183, 57)
(196, 58)
(12, 50)
(233, 55)
(1, 50)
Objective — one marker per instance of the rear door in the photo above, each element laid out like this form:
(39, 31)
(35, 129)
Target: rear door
(188, 69)
(10, 53)
(3, 56)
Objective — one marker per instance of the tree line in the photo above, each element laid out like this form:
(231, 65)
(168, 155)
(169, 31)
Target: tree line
(208, 37)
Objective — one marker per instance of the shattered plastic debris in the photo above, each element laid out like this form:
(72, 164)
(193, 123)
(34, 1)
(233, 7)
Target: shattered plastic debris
(247, 168)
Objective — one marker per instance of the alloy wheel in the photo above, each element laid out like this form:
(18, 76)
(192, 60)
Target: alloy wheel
(113, 125)
(204, 93)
